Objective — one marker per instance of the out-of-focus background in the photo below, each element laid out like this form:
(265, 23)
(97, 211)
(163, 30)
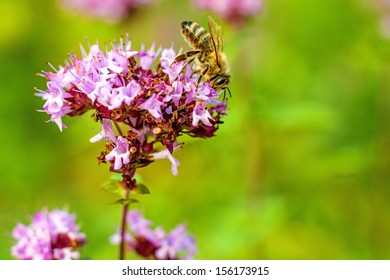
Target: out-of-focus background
(299, 169)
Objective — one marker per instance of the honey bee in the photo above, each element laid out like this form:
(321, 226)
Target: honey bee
(208, 53)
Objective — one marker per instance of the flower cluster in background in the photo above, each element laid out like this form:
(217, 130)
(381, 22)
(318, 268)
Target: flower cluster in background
(155, 243)
(52, 235)
(114, 10)
(233, 11)
(149, 108)
(384, 5)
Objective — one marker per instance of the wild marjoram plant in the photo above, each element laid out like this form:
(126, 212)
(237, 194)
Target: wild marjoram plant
(149, 107)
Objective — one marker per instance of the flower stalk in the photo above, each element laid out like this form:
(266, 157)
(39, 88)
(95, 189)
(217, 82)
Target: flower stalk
(122, 246)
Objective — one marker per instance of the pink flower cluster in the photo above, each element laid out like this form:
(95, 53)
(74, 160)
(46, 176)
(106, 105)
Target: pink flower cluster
(155, 243)
(233, 11)
(149, 108)
(51, 236)
(108, 9)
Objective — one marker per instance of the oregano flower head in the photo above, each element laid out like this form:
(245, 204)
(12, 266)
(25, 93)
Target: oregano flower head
(144, 95)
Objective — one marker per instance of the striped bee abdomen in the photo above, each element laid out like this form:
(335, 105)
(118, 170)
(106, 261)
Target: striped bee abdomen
(196, 35)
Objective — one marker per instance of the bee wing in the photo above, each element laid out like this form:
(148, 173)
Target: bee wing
(216, 36)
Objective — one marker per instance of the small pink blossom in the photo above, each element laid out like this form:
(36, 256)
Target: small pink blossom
(200, 114)
(148, 57)
(153, 105)
(130, 92)
(106, 133)
(166, 154)
(120, 154)
(173, 70)
(106, 95)
(167, 57)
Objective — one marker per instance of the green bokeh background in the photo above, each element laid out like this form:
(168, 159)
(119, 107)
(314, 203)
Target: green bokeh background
(299, 169)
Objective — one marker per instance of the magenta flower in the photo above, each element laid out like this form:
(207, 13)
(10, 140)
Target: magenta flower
(233, 11)
(149, 107)
(107, 9)
(51, 236)
(154, 243)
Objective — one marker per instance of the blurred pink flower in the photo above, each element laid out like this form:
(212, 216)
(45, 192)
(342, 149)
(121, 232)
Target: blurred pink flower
(384, 24)
(385, 4)
(108, 9)
(233, 11)
(155, 243)
(52, 235)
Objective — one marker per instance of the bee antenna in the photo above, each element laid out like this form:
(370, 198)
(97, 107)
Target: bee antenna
(230, 94)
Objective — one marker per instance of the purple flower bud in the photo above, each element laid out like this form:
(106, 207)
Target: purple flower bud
(51, 235)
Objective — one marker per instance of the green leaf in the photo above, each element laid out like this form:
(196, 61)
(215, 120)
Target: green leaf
(138, 177)
(113, 185)
(116, 176)
(123, 201)
(142, 189)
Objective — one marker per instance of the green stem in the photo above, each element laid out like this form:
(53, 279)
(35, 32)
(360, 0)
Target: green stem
(122, 247)
(118, 128)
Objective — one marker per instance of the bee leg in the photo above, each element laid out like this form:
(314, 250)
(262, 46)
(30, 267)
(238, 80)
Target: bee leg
(230, 94)
(204, 71)
(189, 56)
(224, 94)
(159, 70)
